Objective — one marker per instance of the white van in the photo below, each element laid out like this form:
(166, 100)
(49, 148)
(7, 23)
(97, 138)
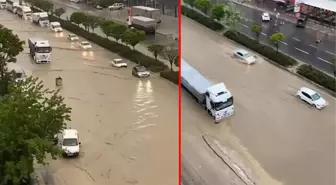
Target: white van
(19, 73)
(12, 5)
(3, 4)
(24, 12)
(56, 27)
(116, 6)
(69, 142)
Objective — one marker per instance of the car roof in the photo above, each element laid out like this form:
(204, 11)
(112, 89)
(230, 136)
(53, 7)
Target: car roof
(265, 13)
(85, 42)
(117, 59)
(242, 51)
(308, 91)
(70, 133)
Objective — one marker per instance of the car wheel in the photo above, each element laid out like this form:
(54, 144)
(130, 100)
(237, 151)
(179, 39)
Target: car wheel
(298, 96)
(314, 106)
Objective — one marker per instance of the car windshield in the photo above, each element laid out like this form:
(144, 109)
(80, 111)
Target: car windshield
(316, 96)
(266, 15)
(70, 142)
(246, 55)
(56, 26)
(223, 105)
(141, 69)
(73, 36)
(43, 50)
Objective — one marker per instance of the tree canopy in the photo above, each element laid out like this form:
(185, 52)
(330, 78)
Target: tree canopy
(156, 49)
(78, 17)
(276, 38)
(133, 36)
(171, 54)
(117, 30)
(30, 115)
(257, 30)
(217, 11)
(59, 11)
(203, 5)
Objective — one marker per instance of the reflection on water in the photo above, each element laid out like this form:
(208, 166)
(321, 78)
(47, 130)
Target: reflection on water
(59, 35)
(88, 55)
(144, 104)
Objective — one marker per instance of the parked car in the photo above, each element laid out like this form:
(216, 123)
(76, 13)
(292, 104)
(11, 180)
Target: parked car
(244, 56)
(311, 97)
(118, 63)
(73, 37)
(116, 6)
(85, 45)
(265, 17)
(140, 71)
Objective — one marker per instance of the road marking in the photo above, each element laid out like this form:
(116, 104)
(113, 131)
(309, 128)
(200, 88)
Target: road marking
(296, 39)
(302, 51)
(330, 53)
(244, 25)
(263, 34)
(313, 46)
(284, 43)
(326, 61)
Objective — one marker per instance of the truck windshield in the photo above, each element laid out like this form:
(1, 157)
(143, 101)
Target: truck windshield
(223, 105)
(43, 50)
(44, 19)
(70, 142)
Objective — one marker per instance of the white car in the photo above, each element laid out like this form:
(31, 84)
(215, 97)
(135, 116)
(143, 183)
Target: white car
(244, 56)
(69, 142)
(73, 37)
(118, 63)
(265, 17)
(85, 45)
(311, 97)
(116, 6)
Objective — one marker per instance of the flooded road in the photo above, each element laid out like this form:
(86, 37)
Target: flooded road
(127, 126)
(283, 139)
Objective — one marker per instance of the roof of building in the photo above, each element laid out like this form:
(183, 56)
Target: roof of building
(323, 4)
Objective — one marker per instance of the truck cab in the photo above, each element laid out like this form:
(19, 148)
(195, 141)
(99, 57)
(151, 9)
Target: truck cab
(56, 27)
(69, 142)
(3, 4)
(11, 5)
(219, 102)
(41, 19)
(24, 12)
(40, 50)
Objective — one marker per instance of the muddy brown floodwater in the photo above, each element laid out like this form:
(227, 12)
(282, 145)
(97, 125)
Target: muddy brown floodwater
(283, 140)
(127, 126)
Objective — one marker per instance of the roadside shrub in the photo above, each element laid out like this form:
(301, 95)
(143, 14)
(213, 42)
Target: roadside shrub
(267, 51)
(317, 76)
(115, 47)
(206, 21)
(170, 75)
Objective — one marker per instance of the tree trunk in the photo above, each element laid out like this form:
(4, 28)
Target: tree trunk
(171, 66)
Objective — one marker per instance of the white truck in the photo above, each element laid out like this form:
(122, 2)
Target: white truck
(41, 18)
(144, 23)
(24, 12)
(11, 5)
(215, 98)
(40, 50)
(148, 12)
(3, 4)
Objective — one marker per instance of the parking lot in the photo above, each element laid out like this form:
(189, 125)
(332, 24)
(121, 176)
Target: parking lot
(127, 126)
(283, 139)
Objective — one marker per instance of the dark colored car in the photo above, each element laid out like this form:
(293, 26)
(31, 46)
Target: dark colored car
(302, 21)
(140, 71)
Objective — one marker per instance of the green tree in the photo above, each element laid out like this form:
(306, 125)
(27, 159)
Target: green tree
(171, 54)
(117, 30)
(86, 23)
(203, 5)
(156, 49)
(132, 37)
(93, 22)
(10, 47)
(257, 30)
(59, 11)
(217, 11)
(276, 38)
(106, 27)
(190, 2)
(30, 117)
(231, 17)
(77, 18)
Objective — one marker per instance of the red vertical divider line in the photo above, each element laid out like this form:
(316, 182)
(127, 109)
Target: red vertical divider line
(179, 93)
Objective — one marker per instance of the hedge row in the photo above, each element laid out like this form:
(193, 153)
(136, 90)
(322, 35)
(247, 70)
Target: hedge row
(206, 21)
(317, 76)
(170, 75)
(115, 47)
(267, 51)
